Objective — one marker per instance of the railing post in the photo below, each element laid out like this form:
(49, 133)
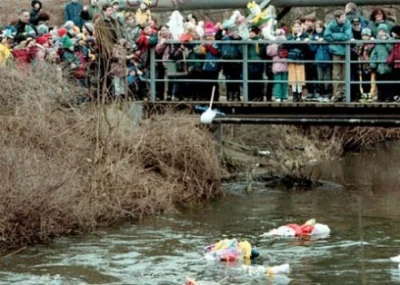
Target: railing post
(348, 73)
(153, 74)
(245, 75)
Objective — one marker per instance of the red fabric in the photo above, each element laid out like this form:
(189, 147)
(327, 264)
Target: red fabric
(42, 40)
(23, 58)
(186, 37)
(143, 42)
(394, 56)
(211, 49)
(62, 32)
(303, 230)
(80, 72)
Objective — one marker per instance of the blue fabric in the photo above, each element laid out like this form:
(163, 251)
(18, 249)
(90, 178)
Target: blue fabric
(322, 52)
(73, 13)
(338, 33)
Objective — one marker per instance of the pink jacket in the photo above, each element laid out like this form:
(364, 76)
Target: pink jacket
(272, 51)
(162, 51)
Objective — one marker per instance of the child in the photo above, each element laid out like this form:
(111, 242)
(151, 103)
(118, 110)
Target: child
(279, 67)
(394, 59)
(297, 76)
(211, 66)
(118, 67)
(324, 69)
(68, 54)
(378, 63)
(364, 54)
(5, 48)
(24, 52)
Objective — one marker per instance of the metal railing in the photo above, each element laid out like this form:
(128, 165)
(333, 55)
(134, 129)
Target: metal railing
(245, 61)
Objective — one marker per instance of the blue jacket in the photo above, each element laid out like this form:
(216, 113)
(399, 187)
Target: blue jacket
(212, 61)
(321, 51)
(338, 33)
(73, 13)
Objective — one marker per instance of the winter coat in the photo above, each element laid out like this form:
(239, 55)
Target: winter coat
(231, 51)
(144, 43)
(381, 52)
(374, 27)
(70, 57)
(26, 29)
(23, 57)
(88, 15)
(363, 52)
(118, 62)
(195, 54)
(297, 51)
(394, 56)
(273, 51)
(338, 33)
(73, 12)
(162, 50)
(132, 34)
(254, 53)
(212, 52)
(5, 54)
(321, 51)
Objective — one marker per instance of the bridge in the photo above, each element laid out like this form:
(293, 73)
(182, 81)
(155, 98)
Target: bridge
(328, 114)
(345, 113)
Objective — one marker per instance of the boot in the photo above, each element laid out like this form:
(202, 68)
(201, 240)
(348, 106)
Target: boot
(229, 96)
(296, 97)
(236, 97)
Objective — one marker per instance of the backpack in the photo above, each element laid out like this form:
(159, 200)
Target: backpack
(283, 52)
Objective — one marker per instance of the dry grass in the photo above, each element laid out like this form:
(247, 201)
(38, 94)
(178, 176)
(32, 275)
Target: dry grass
(71, 170)
(296, 149)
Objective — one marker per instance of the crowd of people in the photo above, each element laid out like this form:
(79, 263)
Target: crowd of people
(104, 40)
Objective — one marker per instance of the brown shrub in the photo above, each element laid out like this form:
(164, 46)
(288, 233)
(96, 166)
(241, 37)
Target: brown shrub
(71, 170)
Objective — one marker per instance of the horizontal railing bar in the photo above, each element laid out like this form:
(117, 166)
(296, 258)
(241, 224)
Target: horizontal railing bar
(249, 42)
(271, 81)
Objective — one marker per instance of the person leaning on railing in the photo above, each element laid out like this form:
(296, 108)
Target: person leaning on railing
(296, 68)
(338, 30)
(394, 60)
(256, 69)
(379, 56)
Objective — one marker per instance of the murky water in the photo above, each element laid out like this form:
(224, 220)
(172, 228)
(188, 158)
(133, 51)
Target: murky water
(363, 215)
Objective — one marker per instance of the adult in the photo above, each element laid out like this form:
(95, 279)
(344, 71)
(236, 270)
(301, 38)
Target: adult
(33, 16)
(90, 11)
(73, 12)
(338, 30)
(23, 27)
(108, 32)
(308, 22)
(352, 12)
(378, 16)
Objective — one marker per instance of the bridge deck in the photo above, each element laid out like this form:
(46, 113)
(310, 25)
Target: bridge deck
(304, 113)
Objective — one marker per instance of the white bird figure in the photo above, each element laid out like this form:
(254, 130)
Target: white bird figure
(208, 116)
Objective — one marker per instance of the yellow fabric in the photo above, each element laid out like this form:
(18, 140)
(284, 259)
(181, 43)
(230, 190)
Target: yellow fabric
(142, 17)
(245, 248)
(5, 54)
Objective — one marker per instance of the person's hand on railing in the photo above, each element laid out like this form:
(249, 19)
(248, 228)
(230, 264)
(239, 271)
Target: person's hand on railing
(306, 40)
(320, 39)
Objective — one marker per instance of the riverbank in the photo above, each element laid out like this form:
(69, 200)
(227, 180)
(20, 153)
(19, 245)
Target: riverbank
(72, 169)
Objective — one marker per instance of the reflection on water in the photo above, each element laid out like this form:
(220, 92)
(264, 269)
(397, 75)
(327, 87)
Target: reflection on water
(363, 216)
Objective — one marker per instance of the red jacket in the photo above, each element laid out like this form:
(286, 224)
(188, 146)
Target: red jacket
(23, 57)
(394, 57)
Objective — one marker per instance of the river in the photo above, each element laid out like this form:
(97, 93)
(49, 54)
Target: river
(361, 206)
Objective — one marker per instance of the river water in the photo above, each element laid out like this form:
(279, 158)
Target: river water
(361, 206)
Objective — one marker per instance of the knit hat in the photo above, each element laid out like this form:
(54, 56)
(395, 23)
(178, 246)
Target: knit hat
(62, 32)
(41, 40)
(20, 38)
(209, 29)
(89, 27)
(66, 43)
(366, 32)
(34, 2)
(42, 29)
(383, 27)
(396, 30)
